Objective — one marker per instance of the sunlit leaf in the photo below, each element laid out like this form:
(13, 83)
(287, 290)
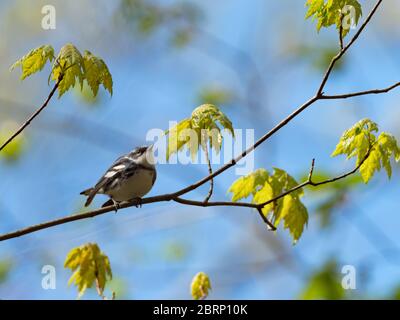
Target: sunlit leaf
(35, 60)
(201, 129)
(96, 73)
(294, 214)
(248, 185)
(361, 139)
(200, 286)
(70, 64)
(90, 266)
(334, 12)
(264, 187)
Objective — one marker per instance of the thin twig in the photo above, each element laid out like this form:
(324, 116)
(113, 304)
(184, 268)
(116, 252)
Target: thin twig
(347, 47)
(210, 191)
(341, 31)
(33, 116)
(361, 93)
(309, 181)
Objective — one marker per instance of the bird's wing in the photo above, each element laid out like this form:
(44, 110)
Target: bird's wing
(112, 175)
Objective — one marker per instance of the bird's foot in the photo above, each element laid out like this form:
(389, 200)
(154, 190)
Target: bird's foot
(116, 206)
(138, 202)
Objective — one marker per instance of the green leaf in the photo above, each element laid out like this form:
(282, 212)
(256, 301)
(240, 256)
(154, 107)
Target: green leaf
(265, 194)
(96, 73)
(35, 60)
(70, 64)
(178, 137)
(333, 12)
(384, 148)
(248, 185)
(361, 138)
(200, 286)
(90, 266)
(294, 215)
(264, 187)
(203, 127)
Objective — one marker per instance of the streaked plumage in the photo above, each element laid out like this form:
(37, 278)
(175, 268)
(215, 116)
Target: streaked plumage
(130, 176)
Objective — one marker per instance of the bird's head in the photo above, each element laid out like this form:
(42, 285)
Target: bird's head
(143, 155)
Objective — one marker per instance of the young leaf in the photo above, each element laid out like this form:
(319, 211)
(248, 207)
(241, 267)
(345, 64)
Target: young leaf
(334, 12)
(379, 157)
(200, 286)
(178, 137)
(96, 73)
(70, 64)
(294, 214)
(90, 266)
(264, 187)
(35, 60)
(247, 185)
(374, 152)
(201, 128)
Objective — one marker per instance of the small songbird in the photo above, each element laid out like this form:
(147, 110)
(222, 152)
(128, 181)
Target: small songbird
(129, 178)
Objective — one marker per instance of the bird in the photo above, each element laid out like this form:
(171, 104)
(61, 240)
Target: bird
(129, 178)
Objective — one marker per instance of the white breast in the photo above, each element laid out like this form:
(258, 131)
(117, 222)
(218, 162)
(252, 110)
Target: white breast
(135, 187)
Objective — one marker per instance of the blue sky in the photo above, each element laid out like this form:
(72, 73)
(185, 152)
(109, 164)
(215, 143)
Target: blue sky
(247, 47)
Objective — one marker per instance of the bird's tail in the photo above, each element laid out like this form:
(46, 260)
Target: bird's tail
(90, 194)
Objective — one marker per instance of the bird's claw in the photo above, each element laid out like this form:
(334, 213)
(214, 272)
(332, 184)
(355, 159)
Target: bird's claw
(138, 202)
(116, 206)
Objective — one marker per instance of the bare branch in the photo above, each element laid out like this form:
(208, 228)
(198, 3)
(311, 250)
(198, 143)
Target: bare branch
(210, 192)
(33, 116)
(341, 31)
(347, 47)
(361, 93)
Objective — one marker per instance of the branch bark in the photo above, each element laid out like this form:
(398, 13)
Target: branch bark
(210, 191)
(33, 116)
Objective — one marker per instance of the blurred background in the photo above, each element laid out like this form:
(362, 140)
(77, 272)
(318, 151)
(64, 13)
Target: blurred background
(257, 60)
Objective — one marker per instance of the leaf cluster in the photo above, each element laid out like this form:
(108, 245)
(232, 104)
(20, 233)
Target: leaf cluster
(372, 152)
(333, 12)
(263, 186)
(203, 127)
(69, 68)
(90, 266)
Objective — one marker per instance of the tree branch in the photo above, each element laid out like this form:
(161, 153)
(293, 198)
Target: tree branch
(347, 47)
(176, 195)
(172, 197)
(361, 93)
(33, 116)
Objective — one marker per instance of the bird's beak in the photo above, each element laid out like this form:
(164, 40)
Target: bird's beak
(150, 155)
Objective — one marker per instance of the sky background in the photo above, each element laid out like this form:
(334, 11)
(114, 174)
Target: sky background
(270, 60)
